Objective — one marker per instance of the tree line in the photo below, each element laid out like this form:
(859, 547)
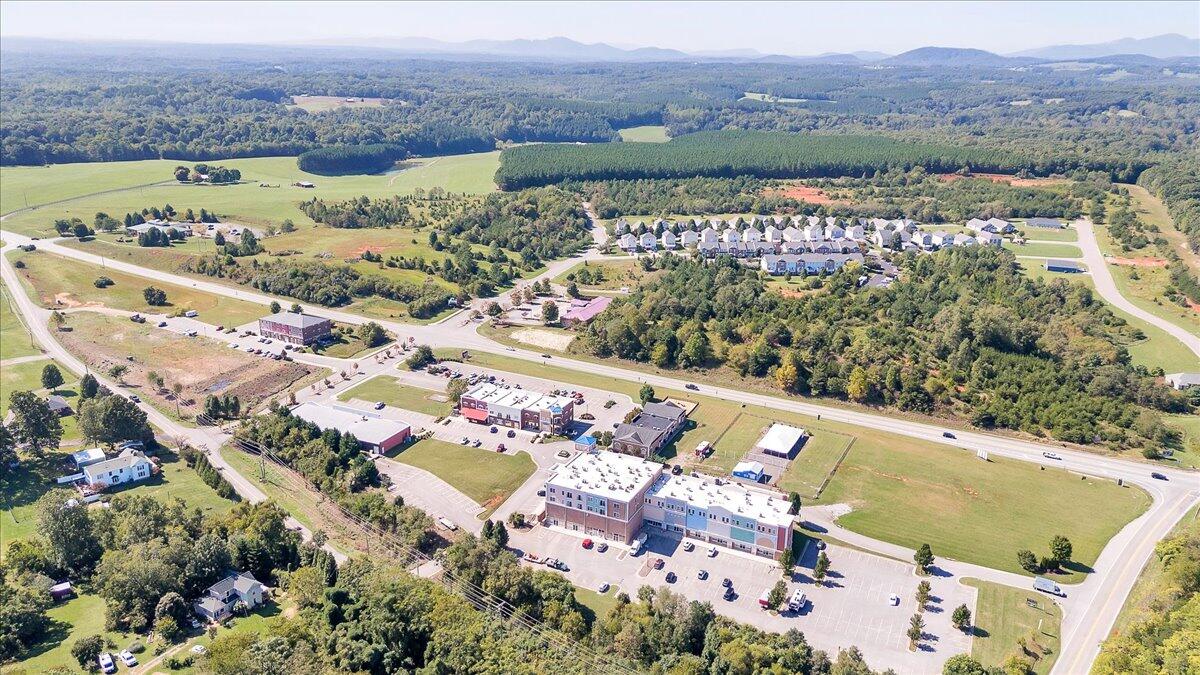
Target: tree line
(684, 196)
(759, 154)
(962, 332)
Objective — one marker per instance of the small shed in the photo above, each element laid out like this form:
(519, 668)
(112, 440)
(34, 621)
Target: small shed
(752, 471)
(585, 443)
(61, 591)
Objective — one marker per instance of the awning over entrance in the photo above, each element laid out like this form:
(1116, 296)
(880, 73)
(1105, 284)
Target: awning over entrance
(474, 414)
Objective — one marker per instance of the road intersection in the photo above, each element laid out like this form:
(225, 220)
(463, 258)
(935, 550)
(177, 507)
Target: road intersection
(1090, 608)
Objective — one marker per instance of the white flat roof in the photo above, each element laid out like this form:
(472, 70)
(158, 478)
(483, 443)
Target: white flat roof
(511, 397)
(610, 475)
(781, 438)
(89, 455)
(704, 493)
(371, 430)
(756, 467)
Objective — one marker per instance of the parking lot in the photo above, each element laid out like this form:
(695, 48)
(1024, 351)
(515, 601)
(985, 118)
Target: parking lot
(850, 609)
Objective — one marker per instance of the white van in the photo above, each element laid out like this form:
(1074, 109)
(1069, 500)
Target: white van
(796, 602)
(447, 523)
(191, 313)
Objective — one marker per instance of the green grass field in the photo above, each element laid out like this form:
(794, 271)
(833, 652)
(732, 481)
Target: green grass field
(599, 603)
(646, 134)
(14, 339)
(390, 391)
(1189, 426)
(617, 273)
(72, 620)
(1067, 235)
(1002, 616)
(1158, 350)
(28, 377)
(245, 202)
(904, 490)
(47, 277)
(485, 476)
(1047, 250)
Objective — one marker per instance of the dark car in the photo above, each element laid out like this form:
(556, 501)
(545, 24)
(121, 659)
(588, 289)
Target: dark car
(1158, 476)
(729, 594)
(692, 387)
(947, 434)
(512, 434)
(671, 577)
(493, 430)
(676, 470)
(727, 582)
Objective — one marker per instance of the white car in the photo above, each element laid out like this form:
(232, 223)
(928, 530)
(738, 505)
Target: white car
(200, 650)
(712, 551)
(688, 546)
(106, 663)
(894, 600)
(603, 588)
(128, 658)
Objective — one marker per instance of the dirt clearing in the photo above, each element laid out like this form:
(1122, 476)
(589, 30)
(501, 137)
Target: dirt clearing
(806, 193)
(543, 338)
(1003, 178)
(1138, 262)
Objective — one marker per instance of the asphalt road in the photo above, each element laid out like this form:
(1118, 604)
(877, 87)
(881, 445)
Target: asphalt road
(1093, 605)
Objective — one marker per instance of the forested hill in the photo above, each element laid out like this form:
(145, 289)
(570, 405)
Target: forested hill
(763, 155)
(963, 333)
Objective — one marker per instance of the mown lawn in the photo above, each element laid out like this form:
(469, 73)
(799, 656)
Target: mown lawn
(487, 477)
(14, 339)
(390, 391)
(1049, 234)
(245, 202)
(1048, 250)
(907, 491)
(48, 277)
(1003, 615)
(77, 618)
(617, 273)
(599, 603)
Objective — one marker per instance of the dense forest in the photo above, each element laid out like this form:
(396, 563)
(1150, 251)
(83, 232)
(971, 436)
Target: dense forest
(685, 196)
(767, 155)
(963, 333)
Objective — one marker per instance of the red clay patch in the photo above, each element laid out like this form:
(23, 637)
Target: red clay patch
(806, 193)
(1003, 178)
(1138, 262)
(358, 252)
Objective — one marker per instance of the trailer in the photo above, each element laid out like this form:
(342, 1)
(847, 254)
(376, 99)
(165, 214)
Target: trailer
(797, 601)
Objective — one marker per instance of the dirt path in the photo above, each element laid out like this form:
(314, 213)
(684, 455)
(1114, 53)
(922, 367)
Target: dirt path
(392, 180)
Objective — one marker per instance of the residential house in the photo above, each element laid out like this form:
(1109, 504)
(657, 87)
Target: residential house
(131, 468)
(621, 226)
(221, 599)
(964, 240)
(731, 236)
(647, 241)
(669, 240)
(856, 232)
(689, 237)
(834, 231)
(709, 236)
(773, 234)
(922, 239)
(989, 239)
(792, 233)
(627, 242)
(1183, 380)
(942, 240)
(814, 232)
(1001, 226)
(752, 235)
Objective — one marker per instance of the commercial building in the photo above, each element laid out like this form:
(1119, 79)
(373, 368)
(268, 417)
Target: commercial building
(722, 513)
(1183, 380)
(650, 431)
(293, 327)
(601, 494)
(488, 403)
(374, 433)
(583, 311)
(1068, 266)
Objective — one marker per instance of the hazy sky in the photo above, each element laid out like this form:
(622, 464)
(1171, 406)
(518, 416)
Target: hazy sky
(784, 28)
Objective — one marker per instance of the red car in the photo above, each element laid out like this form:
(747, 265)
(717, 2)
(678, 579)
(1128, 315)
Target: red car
(587, 543)
(658, 563)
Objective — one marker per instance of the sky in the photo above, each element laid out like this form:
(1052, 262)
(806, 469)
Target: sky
(796, 28)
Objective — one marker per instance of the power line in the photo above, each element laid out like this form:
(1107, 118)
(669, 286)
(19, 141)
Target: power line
(411, 557)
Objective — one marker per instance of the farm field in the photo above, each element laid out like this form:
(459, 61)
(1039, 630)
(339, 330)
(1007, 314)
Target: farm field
(57, 282)
(487, 477)
(244, 202)
(201, 366)
(1046, 250)
(319, 104)
(907, 491)
(390, 391)
(1158, 350)
(617, 272)
(646, 134)
(1153, 212)
(14, 339)
(1003, 616)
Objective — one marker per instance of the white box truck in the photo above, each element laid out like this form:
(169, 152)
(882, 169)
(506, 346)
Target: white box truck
(1046, 586)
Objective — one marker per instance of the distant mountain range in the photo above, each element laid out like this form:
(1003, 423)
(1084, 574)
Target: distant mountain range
(566, 49)
(1167, 46)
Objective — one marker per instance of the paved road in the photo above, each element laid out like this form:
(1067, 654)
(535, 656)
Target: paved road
(1105, 590)
(1108, 290)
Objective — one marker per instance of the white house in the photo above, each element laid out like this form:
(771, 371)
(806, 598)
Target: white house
(814, 232)
(855, 232)
(943, 239)
(791, 233)
(922, 239)
(1001, 226)
(130, 468)
(223, 597)
(773, 234)
(731, 236)
(834, 231)
(709, 236)
(989, 239)
(668, 240)
(689, 237)
(627, 242)
(647, 241)
(621, 226)
(752, 235)
(1183, 380)
(964, 240)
